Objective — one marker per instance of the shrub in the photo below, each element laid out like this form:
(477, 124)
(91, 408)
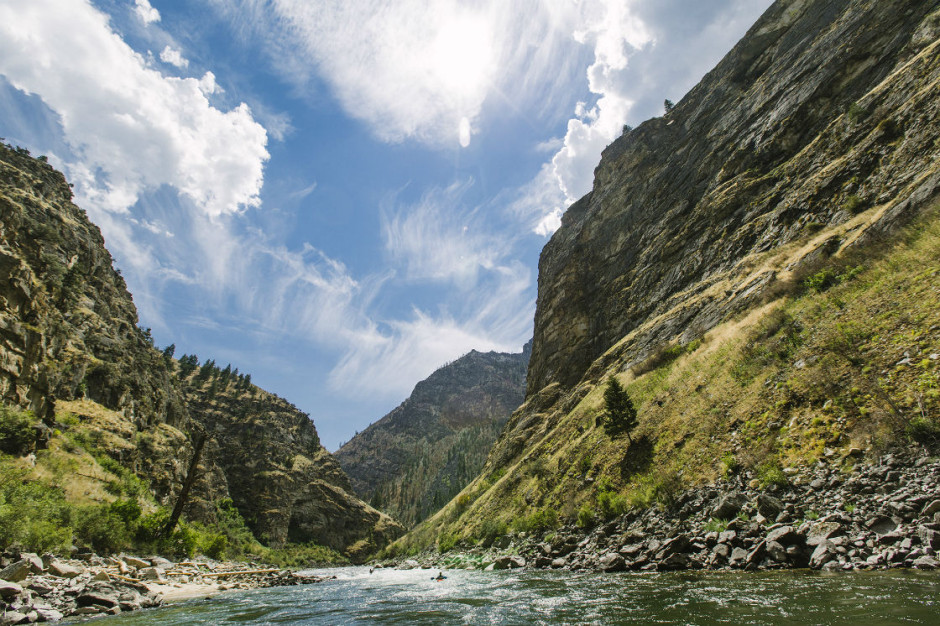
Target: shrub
(611, 504)
(33, 515)
(491, 529)
(585, 516)
(16, 431)
(854, 204)
(101, 529)
(770, 473)
(923, 430)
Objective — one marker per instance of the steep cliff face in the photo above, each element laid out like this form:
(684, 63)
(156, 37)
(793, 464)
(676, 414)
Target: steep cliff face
(416, 458)
(697, 271)
(286, 485)
(69, 327)
(68, 333)
(822, 110)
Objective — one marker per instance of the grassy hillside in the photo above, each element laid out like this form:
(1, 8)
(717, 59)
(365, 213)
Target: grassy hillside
(842, 360)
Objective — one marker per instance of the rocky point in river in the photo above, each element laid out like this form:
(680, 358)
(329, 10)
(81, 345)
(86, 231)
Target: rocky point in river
(415, 459)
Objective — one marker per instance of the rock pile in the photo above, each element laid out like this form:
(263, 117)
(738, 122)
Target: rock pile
(34, 589)
(830, 516)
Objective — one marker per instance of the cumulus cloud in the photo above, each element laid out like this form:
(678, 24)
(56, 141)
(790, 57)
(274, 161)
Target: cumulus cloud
(130, 127)
(145, 12)
(173, 57)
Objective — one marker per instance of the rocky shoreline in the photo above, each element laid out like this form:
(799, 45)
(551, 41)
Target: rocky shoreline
(47, 588)
(836, 515)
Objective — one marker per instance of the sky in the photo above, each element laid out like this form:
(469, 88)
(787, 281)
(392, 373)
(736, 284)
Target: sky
(340, 196)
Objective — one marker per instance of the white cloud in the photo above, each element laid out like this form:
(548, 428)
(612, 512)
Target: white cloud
(207, 84)
(173, 57)
(417, 69)
(391, 364)
(130, 127)
(434, 240)
(145, 12)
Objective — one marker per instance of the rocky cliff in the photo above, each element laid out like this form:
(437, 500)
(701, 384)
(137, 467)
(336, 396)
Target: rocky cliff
(286, 485)
(700, 271)
(69, 334)
(416, 458)
(823, 110)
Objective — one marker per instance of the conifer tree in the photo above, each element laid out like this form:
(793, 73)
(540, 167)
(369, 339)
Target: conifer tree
(621, 416)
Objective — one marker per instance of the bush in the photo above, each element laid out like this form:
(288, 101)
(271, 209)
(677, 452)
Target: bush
(33, 516)
(770, 473)
(491, 529)
(923, 430)
(854, 204)
(540, 521)
(101, 529)
(611, 504)
(716, 525)
(585, 516)
(16, 431)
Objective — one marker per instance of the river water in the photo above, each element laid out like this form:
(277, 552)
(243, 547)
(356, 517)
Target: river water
(551, 597)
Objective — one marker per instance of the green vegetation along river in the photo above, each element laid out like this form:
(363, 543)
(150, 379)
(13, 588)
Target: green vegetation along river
(554, 597)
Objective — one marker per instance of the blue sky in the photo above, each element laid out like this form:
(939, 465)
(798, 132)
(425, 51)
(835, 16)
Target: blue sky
(338, 197)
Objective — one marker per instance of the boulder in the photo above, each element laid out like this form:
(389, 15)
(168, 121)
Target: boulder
(133, 561)
(35, 563)
(819, 532)
(98, 594)
(926, 562)
(151, 573)
(510, 562)
(738, 557)
(768, 506)
(785, 536)
(931, 508)
(9, 589)
(559, 562)
(612, 562)
(15, 572)
(675, 561)
(63, 570)
(823, 553)
(929, 538)
(776, 551)
(729, 506)
(881, 525)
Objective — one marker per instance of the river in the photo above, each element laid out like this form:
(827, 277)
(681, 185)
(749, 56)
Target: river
(555, 597)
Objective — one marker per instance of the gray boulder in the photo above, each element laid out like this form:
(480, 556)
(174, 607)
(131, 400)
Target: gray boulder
(729, 506)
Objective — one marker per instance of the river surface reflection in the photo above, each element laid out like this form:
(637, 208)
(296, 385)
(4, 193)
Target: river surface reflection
(553, 597)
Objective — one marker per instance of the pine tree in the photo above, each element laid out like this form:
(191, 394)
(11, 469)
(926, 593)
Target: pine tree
(621, 414)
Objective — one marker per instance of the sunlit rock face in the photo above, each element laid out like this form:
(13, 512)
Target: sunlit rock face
(822, 110)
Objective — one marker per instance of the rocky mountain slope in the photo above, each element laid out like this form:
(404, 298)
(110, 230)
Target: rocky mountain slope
(416, 458)
(69, 337)
(685, 272)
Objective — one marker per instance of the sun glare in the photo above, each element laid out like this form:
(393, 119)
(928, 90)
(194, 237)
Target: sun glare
(461, 56)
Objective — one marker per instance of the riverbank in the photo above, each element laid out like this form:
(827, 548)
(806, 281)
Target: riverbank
(34, 589)
(840, 514)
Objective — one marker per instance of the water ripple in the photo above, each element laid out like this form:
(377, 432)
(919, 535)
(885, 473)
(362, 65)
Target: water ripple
(548, 597)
